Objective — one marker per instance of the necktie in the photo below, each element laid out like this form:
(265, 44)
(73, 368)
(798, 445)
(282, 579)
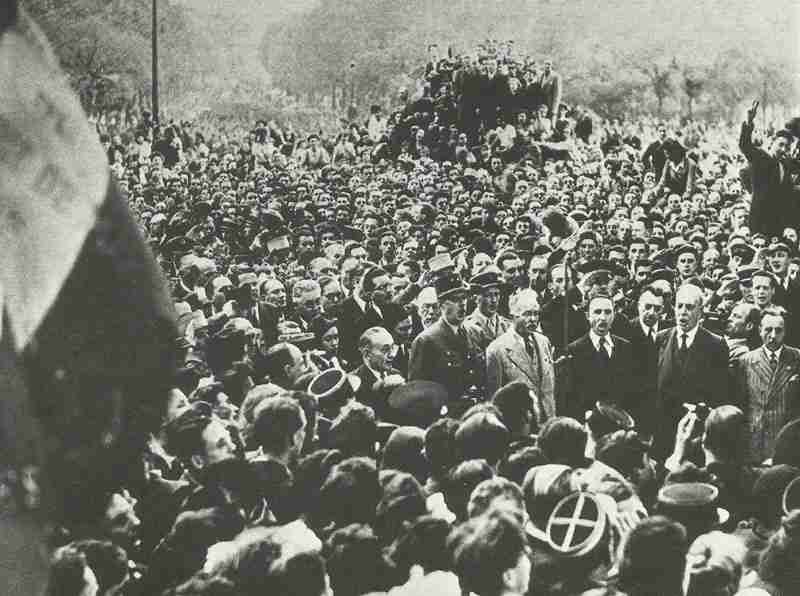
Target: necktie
(650, 335)
(773, 360)
(684, 347)
(529, 348)
(462, 335)
(602, 343)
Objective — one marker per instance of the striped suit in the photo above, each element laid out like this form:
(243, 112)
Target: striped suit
(770, 398)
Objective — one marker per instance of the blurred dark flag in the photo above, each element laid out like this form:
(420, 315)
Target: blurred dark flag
(86, 352)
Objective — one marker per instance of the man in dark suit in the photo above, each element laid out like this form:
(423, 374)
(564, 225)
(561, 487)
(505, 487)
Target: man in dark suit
(692, 366)
(771, 177)
(550, 84)
(369, 306)
(768, 382)
(642, 333)
(600, 364)
(378, 378)
(654, 157)
(443, 352)
(401, 331)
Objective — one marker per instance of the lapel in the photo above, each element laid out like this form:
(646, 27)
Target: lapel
(787, 368)
(367, 378)
(518, 355)
(665, 363)
(696, 356)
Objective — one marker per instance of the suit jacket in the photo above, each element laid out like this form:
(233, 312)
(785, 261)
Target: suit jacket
(645, 366)
(378, 399)
(438, 354)
(592, 379)
(400, 360)
(507, 360)
(704, 378)
(551, 91)
(770, 398)
(482, 331)
(324, 363)
(353, 322)
(772, 208)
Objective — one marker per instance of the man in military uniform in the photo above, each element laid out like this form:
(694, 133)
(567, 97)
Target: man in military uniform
(485, 325)
(444, 353)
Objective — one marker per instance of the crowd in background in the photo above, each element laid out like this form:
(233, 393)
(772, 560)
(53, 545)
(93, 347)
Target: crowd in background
(483, 343)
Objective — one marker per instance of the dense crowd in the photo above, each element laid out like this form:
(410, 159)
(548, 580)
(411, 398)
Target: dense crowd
(480, 342)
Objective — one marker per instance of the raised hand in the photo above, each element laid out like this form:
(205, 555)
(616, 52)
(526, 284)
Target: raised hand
(751, 113)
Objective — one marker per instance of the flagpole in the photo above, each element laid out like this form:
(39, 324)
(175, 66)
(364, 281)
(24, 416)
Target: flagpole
(566, 300)
(154, 40)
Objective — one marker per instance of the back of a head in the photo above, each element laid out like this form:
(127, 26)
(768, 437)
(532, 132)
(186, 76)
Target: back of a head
(514, 402)
(350, 493)
(303, 575)
(277, 419)
(622, 450)
(767, 495)
(184, 434)
(483, 549)
(67, 573)
(780, 562)
(462, 481)
(563, 441)
(354, 430)
(483, 436)
(787, 445)
(516, 464)
(495, 494)
(355, 561)
(654, 558)
(206, 585)
(440, 445)
(726, 433)
(714, 564)
(310, 473)
(402, 502)
(278, 357)
(424, 543)
(404, 451)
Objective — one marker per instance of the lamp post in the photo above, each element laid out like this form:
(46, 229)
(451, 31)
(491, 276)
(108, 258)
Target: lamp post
(154, 90)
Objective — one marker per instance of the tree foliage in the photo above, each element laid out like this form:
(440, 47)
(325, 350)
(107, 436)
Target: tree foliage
(682, 57)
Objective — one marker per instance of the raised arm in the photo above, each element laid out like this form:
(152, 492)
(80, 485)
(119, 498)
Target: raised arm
(746, 136)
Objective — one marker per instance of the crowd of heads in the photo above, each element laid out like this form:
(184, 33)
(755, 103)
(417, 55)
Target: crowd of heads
(267, 476)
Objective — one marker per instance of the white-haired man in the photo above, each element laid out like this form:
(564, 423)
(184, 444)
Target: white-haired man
(524, 354)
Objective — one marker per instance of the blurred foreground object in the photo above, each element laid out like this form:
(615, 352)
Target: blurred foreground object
(85, 352)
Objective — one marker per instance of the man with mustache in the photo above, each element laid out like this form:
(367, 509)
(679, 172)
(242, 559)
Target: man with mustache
(521, 353)
(444, 353)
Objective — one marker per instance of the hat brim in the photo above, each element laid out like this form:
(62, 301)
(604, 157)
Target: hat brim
(449, 294)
